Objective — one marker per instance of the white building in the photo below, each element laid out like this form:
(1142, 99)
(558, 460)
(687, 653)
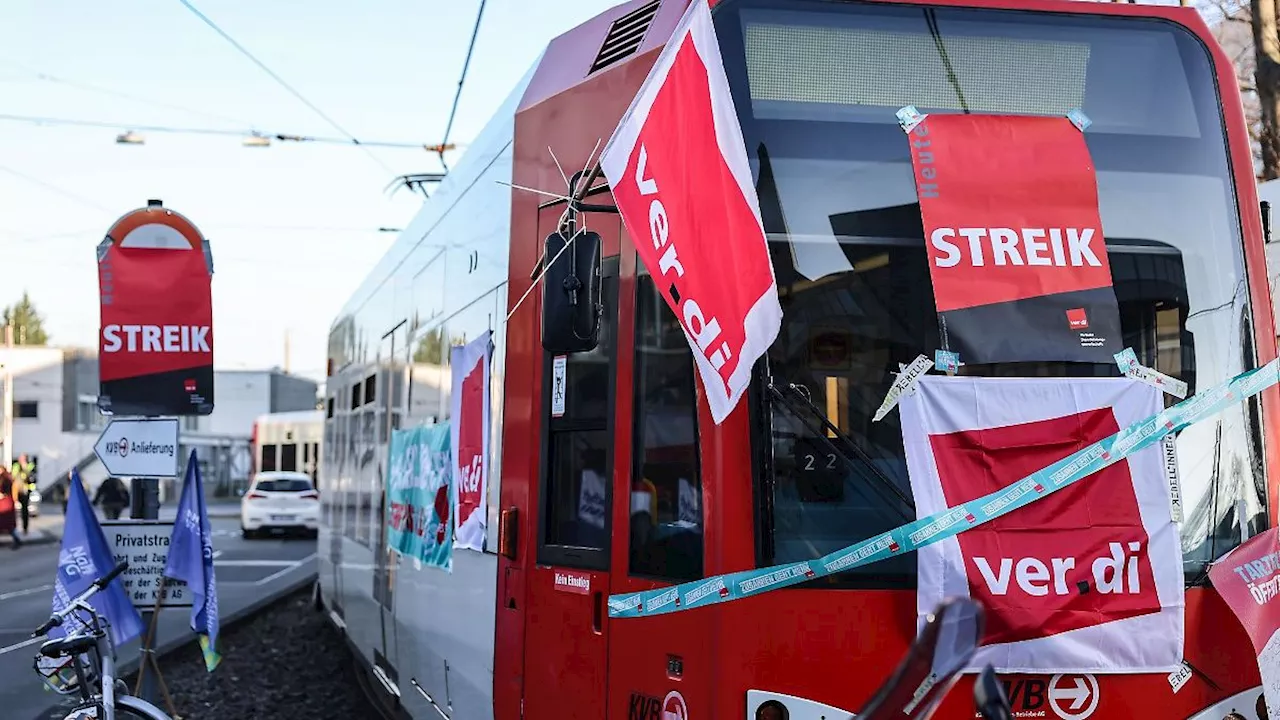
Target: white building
(56, 421)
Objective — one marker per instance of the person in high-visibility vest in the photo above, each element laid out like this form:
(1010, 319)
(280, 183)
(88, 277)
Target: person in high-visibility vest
(24, 480)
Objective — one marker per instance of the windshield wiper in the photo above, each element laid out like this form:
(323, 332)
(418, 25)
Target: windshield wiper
(847, 448)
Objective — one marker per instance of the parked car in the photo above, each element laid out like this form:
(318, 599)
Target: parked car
(280, 502)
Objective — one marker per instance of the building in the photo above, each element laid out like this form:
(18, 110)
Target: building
(56, 419)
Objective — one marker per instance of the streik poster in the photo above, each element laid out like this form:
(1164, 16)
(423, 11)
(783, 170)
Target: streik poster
(420, 495)
(1014, 239)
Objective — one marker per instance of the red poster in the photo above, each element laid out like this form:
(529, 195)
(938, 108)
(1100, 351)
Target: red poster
(1248, 579)
(1014, 239)
(156, 333)
(469, 413)
(680, 177)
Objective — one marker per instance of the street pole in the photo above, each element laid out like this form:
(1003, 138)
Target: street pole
(144, 497)
(6, 410)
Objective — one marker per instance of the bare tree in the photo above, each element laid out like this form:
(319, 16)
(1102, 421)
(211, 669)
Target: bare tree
(1232, 22)
(1266, 72)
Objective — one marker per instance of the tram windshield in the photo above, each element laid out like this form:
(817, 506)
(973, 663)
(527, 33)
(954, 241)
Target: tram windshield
(817, 84)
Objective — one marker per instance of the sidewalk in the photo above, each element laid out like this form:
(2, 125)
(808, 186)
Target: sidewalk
(47, 526)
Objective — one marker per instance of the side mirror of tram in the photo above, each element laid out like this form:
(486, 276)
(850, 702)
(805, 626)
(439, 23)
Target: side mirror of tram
(571, 303)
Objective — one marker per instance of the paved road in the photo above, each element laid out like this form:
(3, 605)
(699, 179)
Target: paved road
(247, 571)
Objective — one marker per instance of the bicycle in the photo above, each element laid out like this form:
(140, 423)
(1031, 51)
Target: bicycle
(91, 654)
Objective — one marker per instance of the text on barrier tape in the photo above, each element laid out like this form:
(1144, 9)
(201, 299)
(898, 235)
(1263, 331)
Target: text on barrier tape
(955, 520)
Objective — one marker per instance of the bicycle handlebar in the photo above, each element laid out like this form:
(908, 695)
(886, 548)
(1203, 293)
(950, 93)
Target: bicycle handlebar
(101, 583)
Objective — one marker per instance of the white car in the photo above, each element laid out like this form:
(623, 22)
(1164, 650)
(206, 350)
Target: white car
(285, 501)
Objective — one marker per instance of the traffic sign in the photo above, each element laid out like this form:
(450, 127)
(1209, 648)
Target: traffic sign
(139, 447)
(1073, 697)
(155, 339)
(146, 546)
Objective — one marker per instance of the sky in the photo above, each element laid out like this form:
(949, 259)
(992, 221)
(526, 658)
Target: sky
(293, 227)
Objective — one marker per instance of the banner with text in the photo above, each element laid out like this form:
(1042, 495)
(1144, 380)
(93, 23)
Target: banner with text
(420, 495)
(1115, 448)
(469, 416)
(1014, 239)
(678, 167)
(1088, 580)
(1248, 579)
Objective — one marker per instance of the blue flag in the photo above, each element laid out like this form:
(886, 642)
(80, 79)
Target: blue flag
(191, 560)
(85, 556)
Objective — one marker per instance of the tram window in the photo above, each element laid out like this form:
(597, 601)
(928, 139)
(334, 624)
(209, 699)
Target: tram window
(666, 489)
(576, 494)
(355, 396)
(329, 408)
(371, 388)
(289, 457)
(268, 459)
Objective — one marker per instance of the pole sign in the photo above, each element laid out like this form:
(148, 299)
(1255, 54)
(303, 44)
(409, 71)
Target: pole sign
(146, 546)
(139, 447)
(155, 340)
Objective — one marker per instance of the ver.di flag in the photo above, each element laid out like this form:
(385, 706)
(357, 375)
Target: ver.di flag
(85, 557)
(1088, 579)
(191, 560)
(678, 167)
(1014, 239)
(469, 418)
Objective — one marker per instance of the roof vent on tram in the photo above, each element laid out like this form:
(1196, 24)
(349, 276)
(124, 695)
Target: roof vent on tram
(625, 35)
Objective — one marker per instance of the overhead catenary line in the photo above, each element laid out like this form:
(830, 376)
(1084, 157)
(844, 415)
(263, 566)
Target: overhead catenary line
(55, 189)
(475, 31)
(41, 120)
(282, 83)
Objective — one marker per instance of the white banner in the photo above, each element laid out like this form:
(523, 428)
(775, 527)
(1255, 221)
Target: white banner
(1088, 579)
(469, 415)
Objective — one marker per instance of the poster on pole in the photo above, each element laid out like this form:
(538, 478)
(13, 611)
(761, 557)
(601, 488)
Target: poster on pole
(155, 339)
(420, 495)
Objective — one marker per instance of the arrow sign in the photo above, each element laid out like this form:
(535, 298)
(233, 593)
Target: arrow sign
(1068, 694)
(139, 447)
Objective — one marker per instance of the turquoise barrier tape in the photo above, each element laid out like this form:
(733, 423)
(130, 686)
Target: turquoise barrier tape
(955, 520)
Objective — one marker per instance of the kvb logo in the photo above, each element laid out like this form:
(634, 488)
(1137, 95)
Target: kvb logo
(673, 707)
(647, 707)
(1081, 555)
(1073, 697)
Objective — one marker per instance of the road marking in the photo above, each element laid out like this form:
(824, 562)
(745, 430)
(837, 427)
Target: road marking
(19, 646)
(217, 554)
(294, 566)
(259, 563)
(28, 591)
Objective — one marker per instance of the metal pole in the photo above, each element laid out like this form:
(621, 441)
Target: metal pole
(144, 496)
(6, 410)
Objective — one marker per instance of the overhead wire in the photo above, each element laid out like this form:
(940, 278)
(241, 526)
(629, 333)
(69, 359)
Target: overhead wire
(55, 189)
(40, 75)
(475, 31)
(43, 120)
(281, 81)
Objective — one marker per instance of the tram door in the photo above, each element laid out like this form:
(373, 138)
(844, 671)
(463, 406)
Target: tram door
(566, 617)
(390, 409)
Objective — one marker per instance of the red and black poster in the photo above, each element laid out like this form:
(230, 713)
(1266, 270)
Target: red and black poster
(155, 340)
(1014, 239)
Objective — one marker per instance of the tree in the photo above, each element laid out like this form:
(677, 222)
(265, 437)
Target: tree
(1266, 53)
(28, 326)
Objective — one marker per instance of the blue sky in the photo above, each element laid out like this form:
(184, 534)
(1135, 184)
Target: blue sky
(294, 226)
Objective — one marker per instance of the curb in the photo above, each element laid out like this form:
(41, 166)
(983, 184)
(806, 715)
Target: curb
(129, 668)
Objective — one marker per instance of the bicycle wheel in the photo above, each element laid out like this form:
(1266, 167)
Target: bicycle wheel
(127, 708)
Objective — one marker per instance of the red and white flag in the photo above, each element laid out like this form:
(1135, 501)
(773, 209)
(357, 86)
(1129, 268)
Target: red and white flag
(678, 167)
(1088, 579)
(469, 414)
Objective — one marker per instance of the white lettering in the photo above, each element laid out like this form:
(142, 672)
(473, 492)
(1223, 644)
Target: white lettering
(171, 343)
(998, 585)
(1119, 566)
(1078, 242)
(111, 334)
(658, 223)
(1033, 241)
(1004, 245)
(1030, 574)
(156, 338)
(650, 186)
(1042, 246)
(939, 240)
(1060, 568)
(669, 261)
